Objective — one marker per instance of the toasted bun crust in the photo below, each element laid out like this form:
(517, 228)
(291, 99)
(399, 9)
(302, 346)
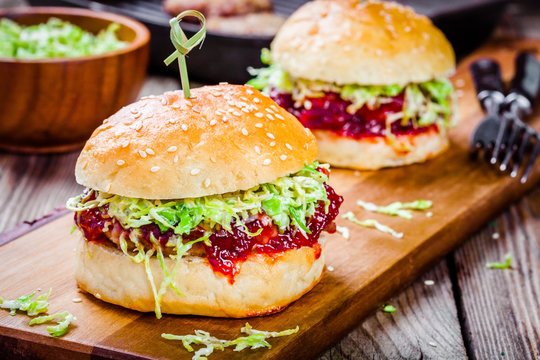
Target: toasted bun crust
(362, 42)
(376, 153)
(265, 284)
(225, 138)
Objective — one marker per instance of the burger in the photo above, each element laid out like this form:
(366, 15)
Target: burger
(369, 78)
(211, 205)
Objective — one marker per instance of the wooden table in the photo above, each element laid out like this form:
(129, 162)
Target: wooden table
(469, 311)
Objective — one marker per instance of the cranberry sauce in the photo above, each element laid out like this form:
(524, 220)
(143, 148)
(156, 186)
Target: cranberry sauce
(329, 112)
(227, 249)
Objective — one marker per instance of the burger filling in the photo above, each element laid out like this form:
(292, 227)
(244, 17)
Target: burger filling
(359, 111)
(271, 218)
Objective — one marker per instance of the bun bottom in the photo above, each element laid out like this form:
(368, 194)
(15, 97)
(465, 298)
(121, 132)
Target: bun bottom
(375, 153)
(264, 285)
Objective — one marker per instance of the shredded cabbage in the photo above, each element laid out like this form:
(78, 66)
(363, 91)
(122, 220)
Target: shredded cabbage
(255, 339)
(425, 103)
(397, 208)
(54, 39)
(27, 303)
(289, 200)
(372, 223)
(63, 320)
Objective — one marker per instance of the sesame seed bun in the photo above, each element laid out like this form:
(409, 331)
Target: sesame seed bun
(378, 152)
(225, 138)
(362, 42)
(265, 284)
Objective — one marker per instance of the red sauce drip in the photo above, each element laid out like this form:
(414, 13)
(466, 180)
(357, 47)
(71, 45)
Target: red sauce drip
(329, 112)
(227, 250)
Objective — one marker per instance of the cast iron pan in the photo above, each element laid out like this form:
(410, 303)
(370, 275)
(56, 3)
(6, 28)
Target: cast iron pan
(225, 58)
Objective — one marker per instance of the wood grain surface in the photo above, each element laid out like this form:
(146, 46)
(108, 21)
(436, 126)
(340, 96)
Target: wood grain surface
(465, 194)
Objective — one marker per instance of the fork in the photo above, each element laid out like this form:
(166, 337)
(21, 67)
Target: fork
(503, 136)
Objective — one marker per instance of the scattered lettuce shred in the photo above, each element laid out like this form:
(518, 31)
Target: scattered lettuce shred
(425, 103)
(389, 309)
(54, 39)
(501, 265)
(30, 304)
(34, 305)
(397, 208)
(62, 319)
(372, 223)
(254, 339)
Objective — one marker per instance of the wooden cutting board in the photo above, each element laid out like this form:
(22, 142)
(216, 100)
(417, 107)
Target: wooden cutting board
(369, 267)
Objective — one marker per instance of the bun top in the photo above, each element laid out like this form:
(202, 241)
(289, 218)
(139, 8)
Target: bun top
(362, 42)
(225, 138)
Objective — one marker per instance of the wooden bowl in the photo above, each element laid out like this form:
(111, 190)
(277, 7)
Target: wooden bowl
(54, 105)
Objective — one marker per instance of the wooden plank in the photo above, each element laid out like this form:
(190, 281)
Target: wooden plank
(368, 267)
(500, 309)
(425, 325)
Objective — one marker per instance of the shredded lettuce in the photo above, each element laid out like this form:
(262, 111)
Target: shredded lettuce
(425, 103)
(254, 339)
(289, 200)
(372, 223)
(63, 320)
(396, 208)
(501, 265)
(54, 39)
(30, 304)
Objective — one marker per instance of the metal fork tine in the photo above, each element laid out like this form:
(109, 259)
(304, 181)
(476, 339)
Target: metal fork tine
(521, 153)
(505, 121)
(512, 145)
(532, 160)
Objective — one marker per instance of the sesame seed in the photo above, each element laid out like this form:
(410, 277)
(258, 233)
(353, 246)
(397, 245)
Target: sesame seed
(269, 116)
(495, 236)
(257, 149)
(429, 282)
(195, 171)
(270, 135)
(330, 268)
(125, 144)
(212, 159)
(184, 127)
(268, 110)
(431, 343)
(142, 154)
(172, 148)
(258, 125)
(172, 121)
(196, 109)
(175, 160)
(283, 157)
(259, 115)
(154, 169)
(134, 111)
(246, 110)
(213, 122)
(256, 100)
(225, 119)
(98, 295)
(249, 91)
(237, 113)
(164, 101)
(267, 162)
(279, 117)
(219, 112)
(244, 132)
(244, 98)
(138, 115)
(120, 162)
(76, 300)
(272, 143)
(223, 83)
(230, 102)
(150, 151)
(429, 214)
(288, 146)
(207, 182)
(307, 104)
